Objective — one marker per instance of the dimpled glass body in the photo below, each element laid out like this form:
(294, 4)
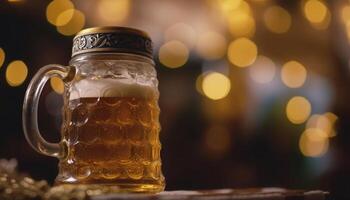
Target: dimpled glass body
(111, 124)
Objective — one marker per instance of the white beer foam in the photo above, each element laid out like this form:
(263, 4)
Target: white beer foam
(110, 88)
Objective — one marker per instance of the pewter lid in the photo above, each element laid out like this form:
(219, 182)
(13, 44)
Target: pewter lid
(112, 39)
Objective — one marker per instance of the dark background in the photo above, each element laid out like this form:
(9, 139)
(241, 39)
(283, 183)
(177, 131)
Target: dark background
(242, 140)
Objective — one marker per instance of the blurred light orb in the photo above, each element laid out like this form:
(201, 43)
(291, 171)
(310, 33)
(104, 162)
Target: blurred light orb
(277, 19)
(216, 85)
(211, 45)
(74, 25)
(298, 109)
(228, 5)
(113, 11)
(16, 73)
(2, 56)
(181, 32)
(345, 14)
(242, 52)
(324, 123)
(241, 24)
(57, 85)
(293, 74)
(263, 70)
(312, 143)
(57, 7)
(217, 140)
(173, 54)
(315, 11)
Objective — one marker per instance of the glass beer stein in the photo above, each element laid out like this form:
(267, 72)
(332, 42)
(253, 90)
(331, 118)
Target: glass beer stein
(110, 128)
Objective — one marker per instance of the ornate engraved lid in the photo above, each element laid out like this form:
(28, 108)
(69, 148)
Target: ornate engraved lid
(112, 39)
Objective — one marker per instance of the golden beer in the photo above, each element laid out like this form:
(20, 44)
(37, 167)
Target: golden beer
(113, 139)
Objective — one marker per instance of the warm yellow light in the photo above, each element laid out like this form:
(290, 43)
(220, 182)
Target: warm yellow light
(57, 85)
(293, 74)
(181, 32)
(57, 7)
(211, 45)
(16, 73)
(74, 25)
(113, 11)
(173, 54)
(217, 140)
(2, 56)
(216, 85)
(241, 24)
(263, 70)
(312, 143)
(229, 5)
(277, 19)
(242, 52)
(315, 11)
(324, 123)
(345, 13)
(298, 109)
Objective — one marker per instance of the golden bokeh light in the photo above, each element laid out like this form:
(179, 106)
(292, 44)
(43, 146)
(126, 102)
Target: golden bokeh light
(199, 82)
(113, 12)
(277, 19)
(312, 143)
(57, 7)
(315, 11)
(173, 54)
(217, 141)
(293, 74)
(181, 32)
(298, 109)
(242, 52)
(16, 73)
(228, 5)
(216, 85)
(345, 14)
(324, 123)
(211, 45)
(74, 25)
(263, 70)
(2, 56)
(241, 24)
(57, 85)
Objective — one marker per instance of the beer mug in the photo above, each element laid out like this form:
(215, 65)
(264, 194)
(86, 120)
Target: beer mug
(110, 129)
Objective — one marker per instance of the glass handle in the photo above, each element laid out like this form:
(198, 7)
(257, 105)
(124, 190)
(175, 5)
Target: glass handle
(30, 109)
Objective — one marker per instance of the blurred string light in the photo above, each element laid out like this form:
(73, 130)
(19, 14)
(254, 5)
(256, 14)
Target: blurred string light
(211, 45)
(263, 70)
(313, 143)
(75, 24)
(216, 85)
(293, 74)
(57, 85)
(16, 73)
(113, 11)
(298, 109)
(55, 8)
(217, 141)
(317, 13)
(277, 19)
(242, 52)
(2, 56)
(173, 54)
(181, 32)
(241, 22)
(324, 123)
